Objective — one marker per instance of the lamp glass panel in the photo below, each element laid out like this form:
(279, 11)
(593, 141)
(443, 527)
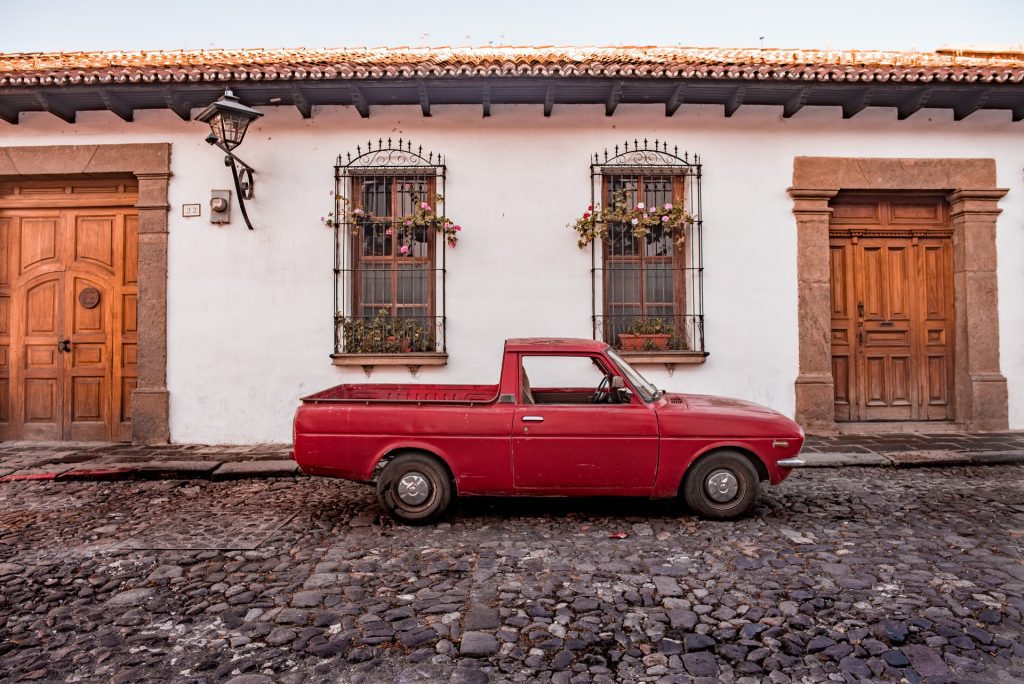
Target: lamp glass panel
(234, 128)
(215, 126)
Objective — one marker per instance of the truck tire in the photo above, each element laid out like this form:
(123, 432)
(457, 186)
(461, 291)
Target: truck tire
(721, 486)
(414, 489)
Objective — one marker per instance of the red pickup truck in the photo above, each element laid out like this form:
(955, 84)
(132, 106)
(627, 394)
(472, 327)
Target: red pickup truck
(568, 418)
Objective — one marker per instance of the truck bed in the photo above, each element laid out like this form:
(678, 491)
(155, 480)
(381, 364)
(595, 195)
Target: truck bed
(401, 394)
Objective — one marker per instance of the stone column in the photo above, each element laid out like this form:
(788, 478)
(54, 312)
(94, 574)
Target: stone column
(151, 400)
(815, 387)
(981, 393)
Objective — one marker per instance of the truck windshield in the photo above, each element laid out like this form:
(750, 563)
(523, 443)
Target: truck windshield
(648, 392)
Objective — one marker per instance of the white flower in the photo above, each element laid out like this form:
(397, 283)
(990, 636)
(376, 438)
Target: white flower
(635, 221)
(640, 205)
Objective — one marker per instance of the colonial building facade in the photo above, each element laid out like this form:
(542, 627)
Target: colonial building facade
(839, 236)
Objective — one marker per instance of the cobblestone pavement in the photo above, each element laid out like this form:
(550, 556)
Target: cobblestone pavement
(852, 574)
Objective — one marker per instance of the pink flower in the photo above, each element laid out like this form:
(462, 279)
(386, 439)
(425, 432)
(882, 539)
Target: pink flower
(586, 215)
(388, 231)
(404, 249)
(664, 219)
(451, 243)
(646, 217)
(668, 206)
(408, 187)
(590, 208)
(357, 210)
(408, 223)
(639, 205)
(458, 227)
(424, 205)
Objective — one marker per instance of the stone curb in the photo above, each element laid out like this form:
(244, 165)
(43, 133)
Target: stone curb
(912, 459)
(98, 470)
(155, 470)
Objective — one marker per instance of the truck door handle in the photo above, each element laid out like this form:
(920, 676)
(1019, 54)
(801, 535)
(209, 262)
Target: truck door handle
(533, 419)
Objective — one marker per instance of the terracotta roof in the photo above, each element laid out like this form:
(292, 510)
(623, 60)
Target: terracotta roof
(196, 66)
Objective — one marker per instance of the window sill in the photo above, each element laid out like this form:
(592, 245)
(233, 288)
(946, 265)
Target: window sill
(639, 358)
(409, 359)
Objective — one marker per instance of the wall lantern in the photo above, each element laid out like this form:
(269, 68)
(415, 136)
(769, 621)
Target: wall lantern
(229, 119)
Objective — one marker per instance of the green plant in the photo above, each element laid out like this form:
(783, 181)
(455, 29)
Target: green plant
(386, 334)
(649, 326)
(644, 220)
(423, 218)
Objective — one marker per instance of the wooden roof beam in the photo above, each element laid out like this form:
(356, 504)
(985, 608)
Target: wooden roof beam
(965, 108)
(795, 103)
(549, 100)
(302, 103)
(180, 107)
(675, 99)
(358, 101)
(857, 104)
(424, 99)
(735, 100)
(485, 99)
(54, 106)
(614, 97)
(117, 105)
(913, 103)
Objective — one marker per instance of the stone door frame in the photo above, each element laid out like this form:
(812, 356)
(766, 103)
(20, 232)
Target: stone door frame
(150, 164)
(979, 388)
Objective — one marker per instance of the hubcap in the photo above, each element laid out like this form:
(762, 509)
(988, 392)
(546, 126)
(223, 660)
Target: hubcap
(413, 488)
(722, 486)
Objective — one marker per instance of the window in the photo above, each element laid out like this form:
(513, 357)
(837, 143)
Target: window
(389, 274)
(575, 380)
(648, 289)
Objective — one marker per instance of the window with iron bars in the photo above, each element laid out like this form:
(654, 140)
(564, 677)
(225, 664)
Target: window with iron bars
(389, 275)
(648, 291)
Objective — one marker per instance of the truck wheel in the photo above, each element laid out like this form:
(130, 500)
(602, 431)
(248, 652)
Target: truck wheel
(721, 486)
(414, 489)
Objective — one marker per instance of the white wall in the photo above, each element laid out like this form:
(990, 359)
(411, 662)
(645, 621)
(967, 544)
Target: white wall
(250, 313)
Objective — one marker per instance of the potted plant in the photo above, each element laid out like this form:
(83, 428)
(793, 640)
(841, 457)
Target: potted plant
(646, 221)
(646, 334)
(424, 222)
(385, 334)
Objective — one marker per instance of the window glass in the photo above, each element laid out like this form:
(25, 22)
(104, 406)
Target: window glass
(563, 372)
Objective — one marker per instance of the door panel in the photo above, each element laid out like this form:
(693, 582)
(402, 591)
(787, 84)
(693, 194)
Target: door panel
(54, 248)
(584, 447)
(891, 310)
(39, 241)
(88, 410)
(41, 369)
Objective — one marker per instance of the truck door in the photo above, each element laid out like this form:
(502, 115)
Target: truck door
(571, 433)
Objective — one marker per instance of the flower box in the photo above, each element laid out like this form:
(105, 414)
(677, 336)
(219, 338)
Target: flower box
(643, 341)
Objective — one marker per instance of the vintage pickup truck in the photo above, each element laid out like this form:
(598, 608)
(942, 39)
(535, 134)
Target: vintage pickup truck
(568, 417)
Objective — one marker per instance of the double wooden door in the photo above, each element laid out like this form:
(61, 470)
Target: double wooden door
(892, 310)
(68, 295)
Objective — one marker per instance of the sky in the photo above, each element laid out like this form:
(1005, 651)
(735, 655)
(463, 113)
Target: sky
(71, 25)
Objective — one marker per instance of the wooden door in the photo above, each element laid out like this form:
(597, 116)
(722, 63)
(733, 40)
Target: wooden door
(892, 310)
(68, 296)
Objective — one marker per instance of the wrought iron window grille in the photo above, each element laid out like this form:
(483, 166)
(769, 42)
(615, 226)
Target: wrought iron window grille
(389, 278)
(648, 292)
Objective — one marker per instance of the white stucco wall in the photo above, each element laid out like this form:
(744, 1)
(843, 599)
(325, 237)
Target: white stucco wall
(249, 318)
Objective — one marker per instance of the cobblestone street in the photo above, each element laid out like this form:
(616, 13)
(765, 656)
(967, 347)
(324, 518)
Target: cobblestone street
(842, 574)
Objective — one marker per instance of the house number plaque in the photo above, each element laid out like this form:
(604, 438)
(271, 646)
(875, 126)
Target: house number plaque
(89, 297)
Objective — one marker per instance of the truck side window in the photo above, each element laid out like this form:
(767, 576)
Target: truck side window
(562, 379)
